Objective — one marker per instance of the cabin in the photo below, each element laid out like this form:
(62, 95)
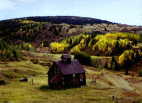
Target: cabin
(66, 73)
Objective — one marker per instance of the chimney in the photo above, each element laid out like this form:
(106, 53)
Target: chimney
(66, 58)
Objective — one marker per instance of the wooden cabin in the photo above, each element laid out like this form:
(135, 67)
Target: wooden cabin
(66, 73)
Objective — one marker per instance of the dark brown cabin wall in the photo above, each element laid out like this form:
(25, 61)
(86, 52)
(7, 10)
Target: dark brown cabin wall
(68, 81)
(75, 81)
(54, 78)
(64, 74)
(56, 82)
(84, 80)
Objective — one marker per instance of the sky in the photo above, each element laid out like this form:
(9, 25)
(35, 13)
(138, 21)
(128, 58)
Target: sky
(119, 11)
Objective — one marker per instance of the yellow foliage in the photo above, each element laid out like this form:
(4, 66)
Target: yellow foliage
(26, 21)
(105, 45)
(124, 42)
(27, 46)
(82, 43)
(119, 35)
(126, 56)
(99, 37)
(58, 47)
(75, 49)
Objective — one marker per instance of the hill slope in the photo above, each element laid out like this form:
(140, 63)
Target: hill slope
(68, 20)
(54, 28)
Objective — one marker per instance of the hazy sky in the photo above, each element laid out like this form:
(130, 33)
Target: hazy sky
(120, 11)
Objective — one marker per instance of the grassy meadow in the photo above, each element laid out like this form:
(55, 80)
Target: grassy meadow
(36, 89)
(100, 87)
(99, 54)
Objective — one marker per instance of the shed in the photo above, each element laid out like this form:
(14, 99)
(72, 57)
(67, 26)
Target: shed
(66, 73)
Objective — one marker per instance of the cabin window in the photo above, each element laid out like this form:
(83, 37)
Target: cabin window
(66, 59)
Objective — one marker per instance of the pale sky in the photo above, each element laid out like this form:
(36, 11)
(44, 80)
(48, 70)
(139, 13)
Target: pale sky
(119, 11)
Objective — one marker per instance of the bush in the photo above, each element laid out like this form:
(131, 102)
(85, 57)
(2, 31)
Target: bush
(9, 52)
(3, 45)
(58, 47)
(99, 37)
(27, 46)
(75, 49)
(124, 43)
(12, 53)
(16, 53)
(103, 62)
(140, 73)
(129, 36)
(76, 40)
(105, 46)
(83, 58)
(110, 44)
(127, 57)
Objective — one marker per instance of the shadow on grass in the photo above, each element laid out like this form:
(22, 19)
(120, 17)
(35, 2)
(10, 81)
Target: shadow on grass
(44, 87)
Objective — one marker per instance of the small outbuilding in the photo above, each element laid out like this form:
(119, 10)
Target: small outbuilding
(66, 73)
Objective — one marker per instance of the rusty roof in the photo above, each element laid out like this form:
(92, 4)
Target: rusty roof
(73, 68)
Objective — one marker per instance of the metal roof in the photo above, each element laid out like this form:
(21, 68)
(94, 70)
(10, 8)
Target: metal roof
(70, 68)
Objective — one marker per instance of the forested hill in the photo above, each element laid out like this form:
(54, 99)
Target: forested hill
(37, 30)
(68, 20)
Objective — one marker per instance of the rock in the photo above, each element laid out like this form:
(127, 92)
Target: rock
(2, 82)
(24, 79)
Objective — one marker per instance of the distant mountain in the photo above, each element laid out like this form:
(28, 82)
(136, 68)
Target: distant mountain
(54, 28)
(68, 20)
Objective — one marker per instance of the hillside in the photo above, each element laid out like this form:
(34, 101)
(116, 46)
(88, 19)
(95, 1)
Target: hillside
(115, 51)
(37, 30)
(74, 20)
(106, 50)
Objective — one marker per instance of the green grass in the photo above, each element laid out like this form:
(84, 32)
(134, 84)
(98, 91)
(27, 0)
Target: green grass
(36, 89)
(27, 93)
(25, 65)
